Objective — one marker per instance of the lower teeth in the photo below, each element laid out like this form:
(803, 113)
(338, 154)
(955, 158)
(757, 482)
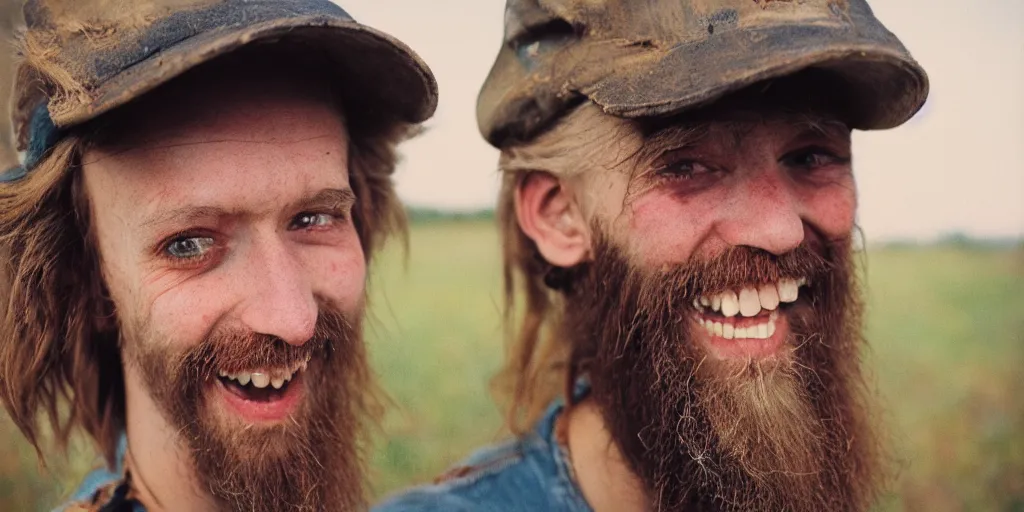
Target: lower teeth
(730, 331)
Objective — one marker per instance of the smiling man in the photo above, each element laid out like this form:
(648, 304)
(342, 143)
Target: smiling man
(186, 244)
(678, 212)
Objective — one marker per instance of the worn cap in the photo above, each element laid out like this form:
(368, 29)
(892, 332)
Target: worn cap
(639, 58)
(91, 56)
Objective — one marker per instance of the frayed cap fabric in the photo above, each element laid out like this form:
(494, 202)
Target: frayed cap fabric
(102, 54)
(641, 58)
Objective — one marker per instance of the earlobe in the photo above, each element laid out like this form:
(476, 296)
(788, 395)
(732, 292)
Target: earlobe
(548, 214)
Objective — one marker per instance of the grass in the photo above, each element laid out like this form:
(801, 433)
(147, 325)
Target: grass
(946, 340)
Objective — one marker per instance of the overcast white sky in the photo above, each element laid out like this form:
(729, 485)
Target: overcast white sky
(958, 166)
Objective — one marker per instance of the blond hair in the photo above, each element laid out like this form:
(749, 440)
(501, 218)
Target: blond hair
(536, 369)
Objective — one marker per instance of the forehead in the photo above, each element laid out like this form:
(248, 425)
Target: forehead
(234, 144)
(225, 92)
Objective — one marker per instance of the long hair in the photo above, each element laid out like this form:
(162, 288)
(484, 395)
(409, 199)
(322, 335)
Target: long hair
(60, 364)
(537, 365)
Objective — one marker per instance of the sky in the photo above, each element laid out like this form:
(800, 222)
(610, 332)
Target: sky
(956, 167)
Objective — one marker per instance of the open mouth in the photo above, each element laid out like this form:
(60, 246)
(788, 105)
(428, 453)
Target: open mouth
(750, 322)
(263, 385)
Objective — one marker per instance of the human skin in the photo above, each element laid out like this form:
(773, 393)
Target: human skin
(229, 211)
(770, 185)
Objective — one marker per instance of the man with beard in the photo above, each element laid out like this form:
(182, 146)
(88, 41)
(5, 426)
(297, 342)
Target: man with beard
(677, 214)
(186, 241)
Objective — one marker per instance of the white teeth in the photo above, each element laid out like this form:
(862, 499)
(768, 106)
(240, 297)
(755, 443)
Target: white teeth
(762, 331)
(716, 302)
(260, 380)
(696, 303)
(768, 295)
(730, 303)
(788, 290)
(749, 303)
(728, 331)
(704, 301)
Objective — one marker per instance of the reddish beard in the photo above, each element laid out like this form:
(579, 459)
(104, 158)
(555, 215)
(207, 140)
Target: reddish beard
(312, 462)
(788, 432)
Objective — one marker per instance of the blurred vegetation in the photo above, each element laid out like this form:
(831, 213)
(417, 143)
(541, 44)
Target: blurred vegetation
(947, 340)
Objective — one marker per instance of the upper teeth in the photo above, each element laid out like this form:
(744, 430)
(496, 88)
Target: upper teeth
(263, 378)
(750, 301)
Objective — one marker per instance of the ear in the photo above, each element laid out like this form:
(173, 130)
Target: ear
(548, 214)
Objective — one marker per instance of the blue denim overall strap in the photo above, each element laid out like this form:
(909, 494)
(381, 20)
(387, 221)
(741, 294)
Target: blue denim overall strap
(104, 490)
(528, 474)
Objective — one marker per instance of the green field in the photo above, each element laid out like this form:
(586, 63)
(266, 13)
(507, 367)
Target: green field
(945, 324)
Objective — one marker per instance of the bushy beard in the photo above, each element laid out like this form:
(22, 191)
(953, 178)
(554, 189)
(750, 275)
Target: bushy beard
(313, 461)
(787, 432)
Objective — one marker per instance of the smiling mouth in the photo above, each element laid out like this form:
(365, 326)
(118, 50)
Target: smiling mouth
(263, 385)
(747, 322)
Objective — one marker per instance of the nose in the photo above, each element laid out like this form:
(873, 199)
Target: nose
(764, 212)
(279, 295)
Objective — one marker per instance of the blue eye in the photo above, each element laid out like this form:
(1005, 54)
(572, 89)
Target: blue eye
(189, 248)
(312, 220)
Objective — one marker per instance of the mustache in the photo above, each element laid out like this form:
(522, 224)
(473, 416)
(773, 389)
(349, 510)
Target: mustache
(236, 350)
(743, 266)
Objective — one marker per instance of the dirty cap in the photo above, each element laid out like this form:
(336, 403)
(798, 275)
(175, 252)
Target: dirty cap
(88, 57)
(643, 58)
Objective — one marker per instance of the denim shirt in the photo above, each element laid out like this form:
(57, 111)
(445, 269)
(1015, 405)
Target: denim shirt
(528, 474)
(104, 490)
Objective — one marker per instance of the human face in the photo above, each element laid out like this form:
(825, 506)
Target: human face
(224, 227)
(239, 218)
(719, 403)
(722, 180)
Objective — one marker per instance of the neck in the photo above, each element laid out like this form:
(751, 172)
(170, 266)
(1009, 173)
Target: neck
(604, 477)
(163, 477)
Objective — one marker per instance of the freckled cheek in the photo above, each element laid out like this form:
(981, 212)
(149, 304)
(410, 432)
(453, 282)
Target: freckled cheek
(339, 276)
(662, 231)
(833, 210)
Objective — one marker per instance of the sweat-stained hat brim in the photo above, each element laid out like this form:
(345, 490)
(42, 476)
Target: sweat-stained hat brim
(379, 70)
(108, 63)
(385, 74)
(546, 66)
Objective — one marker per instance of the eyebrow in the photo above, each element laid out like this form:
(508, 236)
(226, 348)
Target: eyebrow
(333, 199)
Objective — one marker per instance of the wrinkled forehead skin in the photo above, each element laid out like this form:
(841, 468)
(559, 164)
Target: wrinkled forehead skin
(638, 58)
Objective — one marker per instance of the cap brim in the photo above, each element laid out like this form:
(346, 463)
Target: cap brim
(388, 78)
(882, 86)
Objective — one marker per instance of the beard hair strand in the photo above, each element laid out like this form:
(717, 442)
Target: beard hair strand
(788, 432)
(313, 461)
